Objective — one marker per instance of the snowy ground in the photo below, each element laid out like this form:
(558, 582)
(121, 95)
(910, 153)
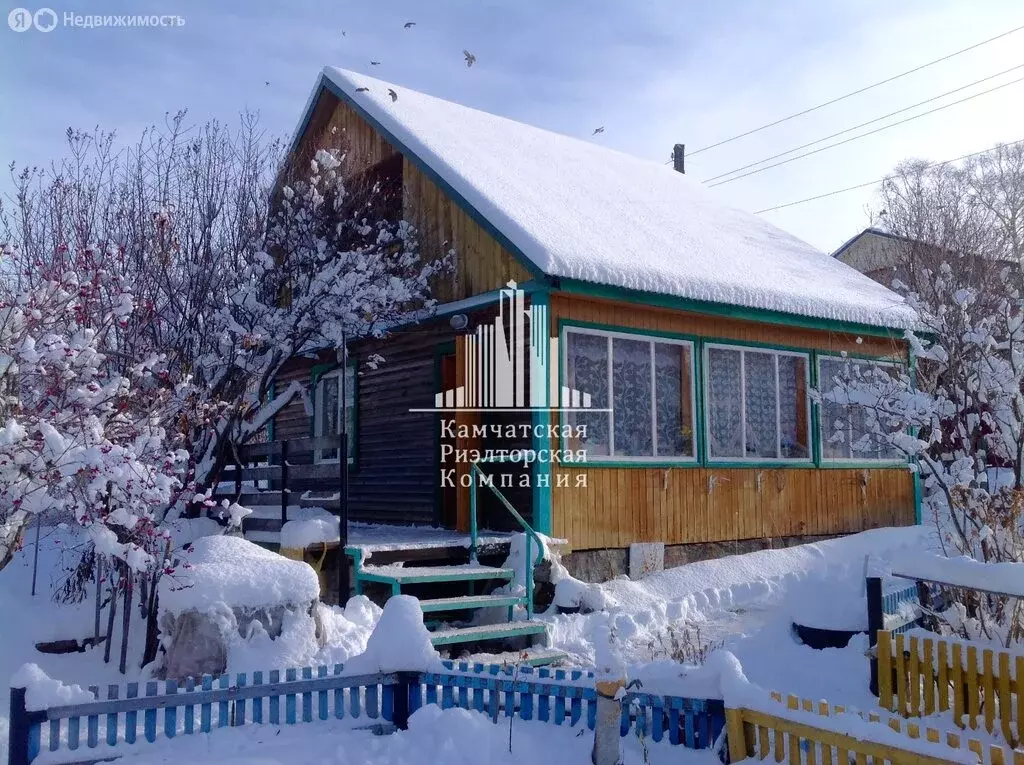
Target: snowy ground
(453, 737)
(746, 603)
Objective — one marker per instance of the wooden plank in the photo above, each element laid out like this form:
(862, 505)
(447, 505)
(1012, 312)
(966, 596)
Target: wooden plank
(988, 689)
(1005, 698)
(957, 678)
(928, 675)
(973, 689)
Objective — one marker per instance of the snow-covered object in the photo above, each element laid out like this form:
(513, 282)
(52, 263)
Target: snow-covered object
(400, 642)
(578, 210)
(236, 572)
(301, 534)
(961, 571)
(42, 691)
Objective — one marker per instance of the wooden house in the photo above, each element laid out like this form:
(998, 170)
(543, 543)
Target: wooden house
(677, 344)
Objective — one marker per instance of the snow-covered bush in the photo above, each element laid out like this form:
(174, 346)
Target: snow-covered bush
(957, 412)
(242, 258)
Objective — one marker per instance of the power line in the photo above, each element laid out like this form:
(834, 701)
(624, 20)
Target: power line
(856, 92)
(865, 124)
(865, 135)
(879, 180)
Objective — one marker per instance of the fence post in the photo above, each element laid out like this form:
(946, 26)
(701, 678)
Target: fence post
(23, 733)
(876, 622)
(401, 690)
(284, 482)
(609, 717)
(736, 736)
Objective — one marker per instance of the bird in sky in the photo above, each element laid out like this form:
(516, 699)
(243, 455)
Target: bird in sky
(598, 130)
(470, 58)
(361, 90)
(409, 24)
(393, 94)
(374, 63)
(266, 82)
(342, 32)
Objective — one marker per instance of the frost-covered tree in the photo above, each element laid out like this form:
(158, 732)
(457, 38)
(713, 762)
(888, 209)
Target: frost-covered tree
(78, 439)
(240, 258)
(958, 412)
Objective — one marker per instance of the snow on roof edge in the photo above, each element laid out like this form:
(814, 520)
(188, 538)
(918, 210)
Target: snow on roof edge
(526, 246)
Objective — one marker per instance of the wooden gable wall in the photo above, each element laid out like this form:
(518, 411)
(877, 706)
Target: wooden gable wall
(481, 265)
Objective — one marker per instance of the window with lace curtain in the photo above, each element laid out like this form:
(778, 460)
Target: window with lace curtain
(757, 405)
(646, 382)
(848, 430)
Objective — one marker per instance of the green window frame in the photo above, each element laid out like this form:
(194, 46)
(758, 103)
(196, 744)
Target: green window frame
(657, 427)
(759, 367)
(826, 433)
(326, 392)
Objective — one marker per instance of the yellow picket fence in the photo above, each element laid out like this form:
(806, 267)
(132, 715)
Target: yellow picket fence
(922, 676)
(759, 735)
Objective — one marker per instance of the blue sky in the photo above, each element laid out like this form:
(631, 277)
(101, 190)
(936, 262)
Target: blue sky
(652, 72)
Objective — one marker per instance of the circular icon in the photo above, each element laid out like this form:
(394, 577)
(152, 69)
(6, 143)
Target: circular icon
(20, 19)
(45, 19)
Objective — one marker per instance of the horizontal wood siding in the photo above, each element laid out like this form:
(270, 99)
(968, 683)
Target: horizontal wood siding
(621, 505)
(396, 479)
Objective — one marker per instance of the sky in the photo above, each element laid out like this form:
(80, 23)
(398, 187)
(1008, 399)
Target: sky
(652, 73)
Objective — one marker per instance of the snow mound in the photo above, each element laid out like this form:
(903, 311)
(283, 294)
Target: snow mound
(236, 572)
(43, 691)
(400, 642)
(299, 535)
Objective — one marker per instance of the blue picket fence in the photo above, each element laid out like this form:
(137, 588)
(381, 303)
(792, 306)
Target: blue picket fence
(165, 710)
(901, 607)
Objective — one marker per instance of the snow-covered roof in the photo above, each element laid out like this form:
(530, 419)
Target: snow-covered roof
(578, 210)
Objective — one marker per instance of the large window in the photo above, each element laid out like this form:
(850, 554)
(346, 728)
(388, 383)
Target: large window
(848, 430)
(327, 411)
(757, 404)
(648, 385)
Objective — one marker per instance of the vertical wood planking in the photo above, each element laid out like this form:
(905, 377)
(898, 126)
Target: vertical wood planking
(149, 716)
(223, 707)
(307, 698)
(339, 695)
(206, 709)
(289, 698)
(131, 718)
(92, 723)
(112, 693)
(257, 703)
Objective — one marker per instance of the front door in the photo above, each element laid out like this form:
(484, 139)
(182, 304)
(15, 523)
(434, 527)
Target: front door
(449, 494)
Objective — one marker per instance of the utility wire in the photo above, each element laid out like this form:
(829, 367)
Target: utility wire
(856, 92)
(864, 135)
(865, 124)
(880, 180)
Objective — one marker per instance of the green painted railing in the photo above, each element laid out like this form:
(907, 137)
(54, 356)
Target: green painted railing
(531, 535)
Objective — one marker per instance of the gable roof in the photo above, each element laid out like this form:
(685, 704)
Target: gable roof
(576, 210)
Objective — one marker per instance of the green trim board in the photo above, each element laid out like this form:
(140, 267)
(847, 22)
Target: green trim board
(727, 310)
(542, 510)
(315, 373)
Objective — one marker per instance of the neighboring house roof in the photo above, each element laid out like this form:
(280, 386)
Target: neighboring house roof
(870, 231)
(577, 210)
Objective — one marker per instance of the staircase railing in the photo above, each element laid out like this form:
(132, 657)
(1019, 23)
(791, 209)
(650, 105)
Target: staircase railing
(531, 535)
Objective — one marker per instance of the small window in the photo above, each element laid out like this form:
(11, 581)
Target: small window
(848, 430)
(648, 385)
(757, 404)
(327, 411)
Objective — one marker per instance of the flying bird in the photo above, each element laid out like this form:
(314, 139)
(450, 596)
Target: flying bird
(361, 90)
(342, 32)
(393, 94)
(266, 82)
(598, 130)
(470, 58)
(374, 63)
(409, 24)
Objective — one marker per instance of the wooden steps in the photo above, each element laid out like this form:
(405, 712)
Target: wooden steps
(451, 635)
(396, 575)
(468, 602)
